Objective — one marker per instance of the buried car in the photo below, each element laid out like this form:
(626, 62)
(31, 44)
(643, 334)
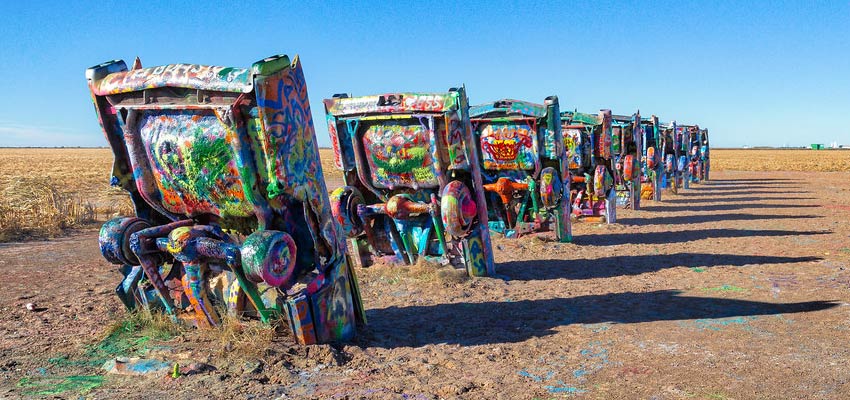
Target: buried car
(523, 166)
(232, 211)
(690, 148)
(652, 167)
(699, 154)
(704, 155)
(588, 140)
(413, 188)
(626, 142)
(674, 156)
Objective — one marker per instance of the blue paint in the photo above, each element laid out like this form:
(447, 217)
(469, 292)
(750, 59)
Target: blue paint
(717, 324)
(564, 389)
(596, 357)
(528, 375)
(146, 366)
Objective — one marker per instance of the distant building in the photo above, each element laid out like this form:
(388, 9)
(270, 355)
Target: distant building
(817, 146)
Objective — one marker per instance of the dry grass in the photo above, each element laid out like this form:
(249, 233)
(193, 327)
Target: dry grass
(47, 191)
(36, 207)
(241, 339)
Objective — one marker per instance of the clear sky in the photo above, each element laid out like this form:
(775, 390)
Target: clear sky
(755, 73)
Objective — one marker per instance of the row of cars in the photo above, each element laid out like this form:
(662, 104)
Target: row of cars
(233, 214)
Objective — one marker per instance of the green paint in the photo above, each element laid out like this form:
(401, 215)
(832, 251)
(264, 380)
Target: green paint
(271, 65)
(415, 158)
(424, 174)
(698, 269)
(207, 161)
(204, 162)
(582, 118)
(52, 386)
(725, 288)
(130, 338)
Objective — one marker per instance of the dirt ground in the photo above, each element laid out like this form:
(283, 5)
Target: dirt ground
(735, 289)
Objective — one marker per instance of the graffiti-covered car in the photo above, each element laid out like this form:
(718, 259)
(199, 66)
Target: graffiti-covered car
(589, 143)
(413, 186)
(704, 155)
(626, 142)
(690, 150)
(523, 166)
(698, 152)
(652, 167)
(674, 157)
(231, 207)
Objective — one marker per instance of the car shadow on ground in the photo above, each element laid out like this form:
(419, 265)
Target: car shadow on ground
(667, 237)
(609, 267)
(746, 183)
(739, 192)
(724, 207)
(700, 218)
(746, 199)
(725, 188)
(508, 321)
(754, 180)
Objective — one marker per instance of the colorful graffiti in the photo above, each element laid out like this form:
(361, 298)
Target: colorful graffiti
(575, 148)
(456, 147)
(391, 103)
(592, 164)
(414, 187)
(525, 166)
(194, 167)
(627, 148)
(508, 146)
(400, 155)
(509, 107)
(233, 194)
(192, 76)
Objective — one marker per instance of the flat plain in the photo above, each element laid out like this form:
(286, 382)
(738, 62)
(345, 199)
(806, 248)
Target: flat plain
(734, 289)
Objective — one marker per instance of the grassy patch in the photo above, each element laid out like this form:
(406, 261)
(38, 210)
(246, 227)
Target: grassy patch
(239, 339)
(128, 336)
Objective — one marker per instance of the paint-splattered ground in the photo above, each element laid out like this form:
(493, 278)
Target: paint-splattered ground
(736, 289)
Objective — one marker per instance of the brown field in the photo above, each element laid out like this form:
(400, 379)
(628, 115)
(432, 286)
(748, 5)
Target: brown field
(47, 191)
(780, 160)
(730, 290)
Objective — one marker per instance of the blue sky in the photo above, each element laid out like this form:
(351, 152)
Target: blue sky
(755, 73)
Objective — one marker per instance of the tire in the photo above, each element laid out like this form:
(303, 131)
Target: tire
(551, 188)
(629, 168)
(114, 239)
(458, 208)
(269, 256)
(599, 178)
(650, 158)
(344, 202)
